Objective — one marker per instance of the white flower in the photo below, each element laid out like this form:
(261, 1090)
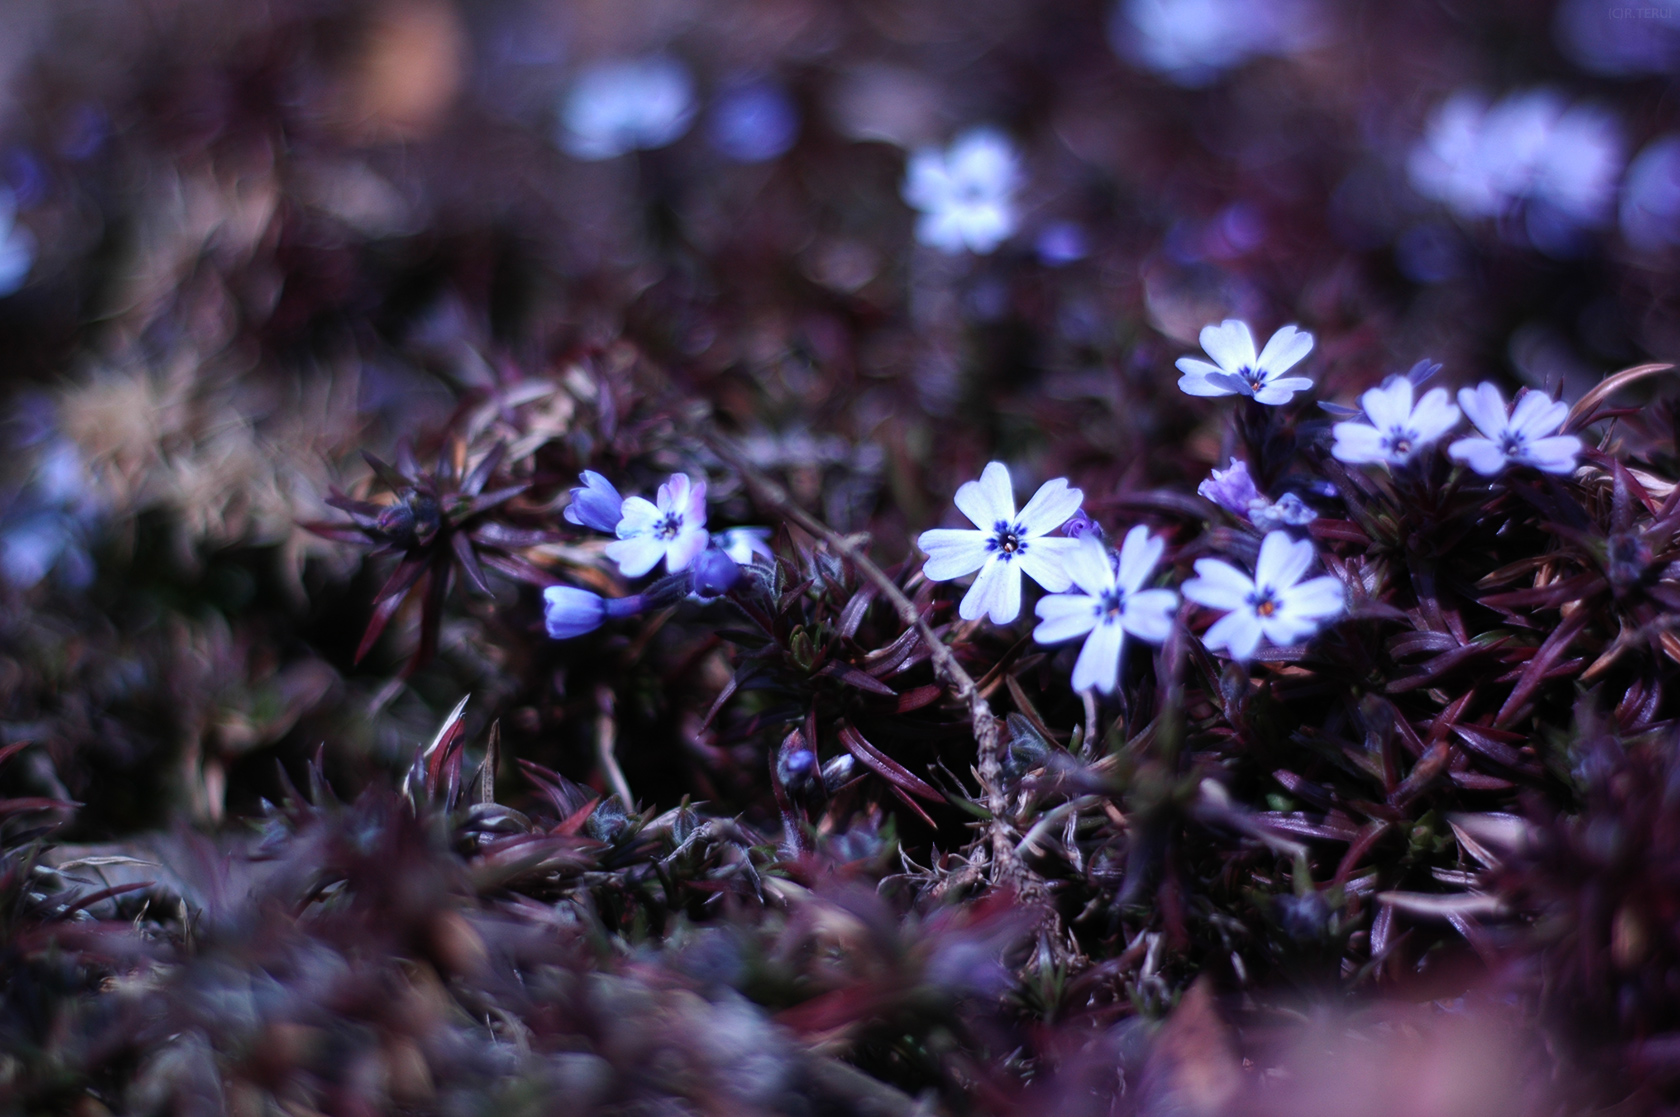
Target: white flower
(1007, 544)
(617, 107)
(1270, 604)
(1530, 146)
(966, 193)
(1519, 438)
(1238, 372)
(1110, 604)
(1398, 428)
(1194, 41)
(674, 529)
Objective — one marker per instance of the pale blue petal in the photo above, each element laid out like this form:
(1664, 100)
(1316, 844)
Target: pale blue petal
(989, 499)
(1485, 408)
(1218, 585)
(639, 515)
(1098, 665)
(1149, 614)
(1358, 444)
(1138, 555)
(637, 555)
(1553, 455)
(1064, 616)
(1049, 507)
(952, 552)
(995, 593)
(1087, 566)
(1237, 632)
(1282, 560)
(1285, 349)
(1230, 345)
(1044, 560)
(1480, 454)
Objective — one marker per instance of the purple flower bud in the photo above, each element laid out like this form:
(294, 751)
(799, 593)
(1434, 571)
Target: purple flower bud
(1289, 509)
(714, 573)
(596, 505)
(1232, 488)
(1080, 525)
(569, 611)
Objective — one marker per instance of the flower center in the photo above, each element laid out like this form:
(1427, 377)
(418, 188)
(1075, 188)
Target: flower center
(1510, 444)
(1007, 541)
(1111, 603)
(1264, 602)
(1253, 376)
(669, 527)
(1400, 441)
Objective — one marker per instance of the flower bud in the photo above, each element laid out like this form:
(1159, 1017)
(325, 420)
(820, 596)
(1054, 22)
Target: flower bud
(596, 505)
(714, 574)
(569, 611)
(1079, 525)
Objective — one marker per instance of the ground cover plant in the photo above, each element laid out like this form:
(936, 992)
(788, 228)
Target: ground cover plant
(887, 558)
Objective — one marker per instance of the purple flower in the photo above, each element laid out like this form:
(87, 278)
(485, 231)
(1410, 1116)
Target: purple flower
(596, 505)
(673, 529)
(1232, 489)
(745, 545)
(1080, 525)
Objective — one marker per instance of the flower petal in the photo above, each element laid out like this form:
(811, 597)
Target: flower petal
(1237, 632)
(1285, 349)
(1390, 405)
(685, 548)
(1480, 454)
(1282, 561)
(1218, 585)
(989, 499)
(1434, 416)
(995, 593)
(1230, 345)
(1553, 455)
(1064, 616)
(1138, 556)
(1486, 408)
(694, 511)
(636, 555)
(569, 611)
(1049, 507)
(1149, 614)
(1358, 443)
(1087, 566)
(639, 515)
(1044, 560)
(673, 494)
(1314, 599)
(1274, 392)
(952, 552)
(1537, 415)
(1197, 379)
(1098, 665)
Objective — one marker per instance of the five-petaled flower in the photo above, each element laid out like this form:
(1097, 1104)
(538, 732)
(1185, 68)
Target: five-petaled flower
(966, 193)
(1109, 603)
(1236, 370)
(1006, 544)
(1275, 603)
(673, 529)
(1518, 438)
(1398, 428)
